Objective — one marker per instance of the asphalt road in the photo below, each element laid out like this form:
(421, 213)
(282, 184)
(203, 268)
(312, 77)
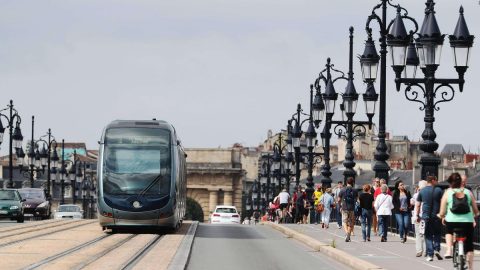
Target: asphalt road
(252, 247)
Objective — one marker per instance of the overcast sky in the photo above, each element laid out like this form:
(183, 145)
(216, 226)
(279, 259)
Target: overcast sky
(220, 71)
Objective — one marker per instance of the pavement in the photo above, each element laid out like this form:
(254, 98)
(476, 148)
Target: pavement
(385, 255)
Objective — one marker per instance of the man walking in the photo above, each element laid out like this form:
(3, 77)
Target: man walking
(338, 206)
(430, 197)
(284, 198)
(347, 197)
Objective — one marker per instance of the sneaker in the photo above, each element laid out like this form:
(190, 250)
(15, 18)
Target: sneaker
(439, 257)
(429, 258)
(419, 254)
(339, 226)
(347, 238)
(368, 239)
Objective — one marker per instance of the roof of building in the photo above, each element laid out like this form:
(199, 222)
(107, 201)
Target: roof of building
(456, 149)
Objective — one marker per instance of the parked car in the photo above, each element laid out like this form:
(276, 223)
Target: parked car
(68, 211)
(36, 204)
(11, 205)
(225, 214)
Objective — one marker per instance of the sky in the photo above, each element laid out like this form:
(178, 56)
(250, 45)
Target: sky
(222, 72)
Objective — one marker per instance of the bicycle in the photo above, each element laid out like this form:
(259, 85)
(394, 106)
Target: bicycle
(459, 256)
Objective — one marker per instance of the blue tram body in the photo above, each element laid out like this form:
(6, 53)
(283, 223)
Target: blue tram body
(141, 175)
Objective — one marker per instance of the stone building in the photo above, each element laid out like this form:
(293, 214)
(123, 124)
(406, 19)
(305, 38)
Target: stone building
(215, 177)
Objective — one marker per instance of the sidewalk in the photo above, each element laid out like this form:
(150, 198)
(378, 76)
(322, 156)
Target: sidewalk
(390, 255)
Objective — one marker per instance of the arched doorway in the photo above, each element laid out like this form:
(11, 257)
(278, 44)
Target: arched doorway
(194, 210)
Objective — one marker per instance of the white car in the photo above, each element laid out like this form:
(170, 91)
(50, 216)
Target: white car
(70, 211)
(225, 214)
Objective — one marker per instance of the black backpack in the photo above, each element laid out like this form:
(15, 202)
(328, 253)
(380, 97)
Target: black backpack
(348, 198)
(460, 205)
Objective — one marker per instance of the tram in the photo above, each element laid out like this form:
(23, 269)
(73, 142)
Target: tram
(141, 176)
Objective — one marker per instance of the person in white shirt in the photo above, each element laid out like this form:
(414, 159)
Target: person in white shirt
(284, 198)
(383, 206)
(419, 225)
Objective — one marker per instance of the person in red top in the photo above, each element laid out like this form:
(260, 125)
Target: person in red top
(378, 190)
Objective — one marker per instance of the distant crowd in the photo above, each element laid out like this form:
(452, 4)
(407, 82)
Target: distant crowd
(423, 213)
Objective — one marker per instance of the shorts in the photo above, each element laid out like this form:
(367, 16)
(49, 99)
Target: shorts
(348, 218)
(283, 206)
(467, 229)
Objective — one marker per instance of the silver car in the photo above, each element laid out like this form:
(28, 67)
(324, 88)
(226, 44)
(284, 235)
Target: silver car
(68, 211)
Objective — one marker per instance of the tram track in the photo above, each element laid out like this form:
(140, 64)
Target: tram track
(30, 225)
(33, 228)
(91, 257)
(25, 238)
(139, 255)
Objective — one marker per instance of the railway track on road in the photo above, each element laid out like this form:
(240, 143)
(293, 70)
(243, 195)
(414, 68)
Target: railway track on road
(95, 250)
(26, 236)
(30, 225)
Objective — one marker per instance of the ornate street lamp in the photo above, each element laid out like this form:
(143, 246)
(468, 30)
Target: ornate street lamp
(369, 64)
(434, 90)
(347, 127)
(16, 138)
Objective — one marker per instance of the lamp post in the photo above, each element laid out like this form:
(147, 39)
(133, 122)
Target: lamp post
(16, 138)
(433, 90)
(347, 128)
(46, 156)
(317, 109)
(369, 64)
(36, 161)
(73, 174)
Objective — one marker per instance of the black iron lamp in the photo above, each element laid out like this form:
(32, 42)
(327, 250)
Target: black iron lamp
(398, 41)
(318, 108)
(369, 61)
(461, 42)
(370, 98)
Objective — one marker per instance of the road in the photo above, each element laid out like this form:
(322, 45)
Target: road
(252, 247)
(10, 223)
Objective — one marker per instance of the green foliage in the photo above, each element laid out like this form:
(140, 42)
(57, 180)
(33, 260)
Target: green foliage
(194, 211)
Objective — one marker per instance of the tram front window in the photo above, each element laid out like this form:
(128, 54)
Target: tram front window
(137, 161)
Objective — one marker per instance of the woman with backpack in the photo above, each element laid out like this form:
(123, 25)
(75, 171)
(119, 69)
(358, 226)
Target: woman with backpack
(401, 207)
(383, 206)
(458, 210)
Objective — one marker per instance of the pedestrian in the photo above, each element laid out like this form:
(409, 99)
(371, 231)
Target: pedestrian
(419, 224)
(306, 211)
(328, 203)
(376, 185)
(284, 199)
(299, 205)
(402, 207)
(378, 191)
(338, 206)
(454, 198)
(383, 206)
(347, 197)
(430, 197)
(366, 204)
(316, 198)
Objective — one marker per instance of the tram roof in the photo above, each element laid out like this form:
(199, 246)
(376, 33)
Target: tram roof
(140, 123)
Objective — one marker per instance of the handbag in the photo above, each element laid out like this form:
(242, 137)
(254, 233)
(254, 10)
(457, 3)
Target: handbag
(320, 206)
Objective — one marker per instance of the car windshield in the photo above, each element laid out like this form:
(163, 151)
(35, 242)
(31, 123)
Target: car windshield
(68, 208)
(32, 194)
(137, 160)
(226, 210)
(9, 195)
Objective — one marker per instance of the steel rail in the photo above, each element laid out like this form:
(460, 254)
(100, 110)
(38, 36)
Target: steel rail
(142, 252)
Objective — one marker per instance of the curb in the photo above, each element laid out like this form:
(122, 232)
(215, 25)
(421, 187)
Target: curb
(337, 254)
(180, 261)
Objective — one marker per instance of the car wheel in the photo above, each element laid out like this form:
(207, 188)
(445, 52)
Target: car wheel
(21, 219)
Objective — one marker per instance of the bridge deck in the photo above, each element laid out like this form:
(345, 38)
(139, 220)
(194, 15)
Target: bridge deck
(390, 255)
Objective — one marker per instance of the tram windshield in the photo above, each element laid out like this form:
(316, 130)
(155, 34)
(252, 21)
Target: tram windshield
(137, 160)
